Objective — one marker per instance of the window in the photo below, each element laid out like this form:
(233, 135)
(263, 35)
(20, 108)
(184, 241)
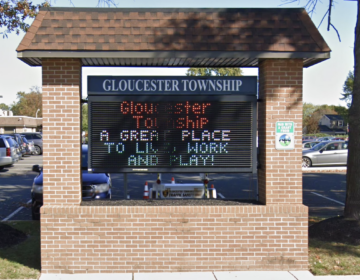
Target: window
(2, 143)
(307, 145)
(340, 123)
(332, 147)
(344, 146)
(11, 142)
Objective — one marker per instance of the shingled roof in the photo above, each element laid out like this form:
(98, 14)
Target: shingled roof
(173, 37)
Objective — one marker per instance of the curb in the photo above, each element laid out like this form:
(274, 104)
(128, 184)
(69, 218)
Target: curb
(324, 170)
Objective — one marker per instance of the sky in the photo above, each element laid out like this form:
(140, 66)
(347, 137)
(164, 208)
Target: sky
(323, 82)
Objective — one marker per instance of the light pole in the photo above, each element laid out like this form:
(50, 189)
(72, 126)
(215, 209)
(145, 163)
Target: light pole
(37, 112)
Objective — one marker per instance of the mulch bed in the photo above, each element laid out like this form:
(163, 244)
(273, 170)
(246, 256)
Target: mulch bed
(169, 202)
(337, 229)
(10, 236)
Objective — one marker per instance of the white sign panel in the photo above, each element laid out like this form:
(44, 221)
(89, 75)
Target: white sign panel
(284, 136)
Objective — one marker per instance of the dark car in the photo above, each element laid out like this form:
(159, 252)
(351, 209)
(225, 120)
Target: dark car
(36, 137)
(94, 185)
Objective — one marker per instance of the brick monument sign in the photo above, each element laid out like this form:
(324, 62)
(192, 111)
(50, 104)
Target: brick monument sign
(270, 235)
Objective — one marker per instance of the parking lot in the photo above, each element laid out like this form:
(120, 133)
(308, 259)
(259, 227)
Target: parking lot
(324, 193)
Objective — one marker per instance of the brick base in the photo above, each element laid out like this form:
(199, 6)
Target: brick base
(78, 239)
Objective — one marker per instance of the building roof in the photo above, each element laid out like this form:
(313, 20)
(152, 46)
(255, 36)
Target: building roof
(334, 117)
(20, 121)
(326, 129)
(229, 37)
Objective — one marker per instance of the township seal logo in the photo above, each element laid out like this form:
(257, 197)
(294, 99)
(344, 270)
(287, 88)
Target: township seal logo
(285, 140)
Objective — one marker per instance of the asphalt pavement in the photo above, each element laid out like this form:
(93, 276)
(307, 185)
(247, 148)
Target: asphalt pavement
(324, 193)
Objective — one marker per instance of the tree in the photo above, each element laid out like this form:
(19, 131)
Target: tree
(84, 112)
(214, 72)
(5, 107)
(308, 110)
(342, 111)
(348, 89)
(14, 13)
(352, 202)
(28, 104)
(313, 119)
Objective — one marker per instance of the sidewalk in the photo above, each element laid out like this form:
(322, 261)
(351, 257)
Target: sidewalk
(221, 275)
(325, 169)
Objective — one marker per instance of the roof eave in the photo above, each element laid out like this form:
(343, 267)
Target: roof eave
(171, 58)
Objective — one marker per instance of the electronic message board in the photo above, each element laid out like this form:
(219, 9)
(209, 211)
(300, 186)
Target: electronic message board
(177, 130)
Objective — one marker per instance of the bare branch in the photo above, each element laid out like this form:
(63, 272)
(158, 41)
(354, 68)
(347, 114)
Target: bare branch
(107, 3)
(329, 17)
(336, 31)
(323, 18)
(286, 2)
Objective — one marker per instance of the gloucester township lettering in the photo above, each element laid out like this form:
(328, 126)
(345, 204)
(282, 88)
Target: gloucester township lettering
(110, 85)
(171, 85)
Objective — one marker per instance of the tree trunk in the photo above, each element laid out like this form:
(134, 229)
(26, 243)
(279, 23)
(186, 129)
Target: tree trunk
(352, 205)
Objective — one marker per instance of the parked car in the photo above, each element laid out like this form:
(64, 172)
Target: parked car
(327, 138)
(309, 138)
(94, 185)
(21, 143)
(36, 137)
(326, 153)
(7, 153)
(17, 138)
(339, 138)
(30, 148)
(14, 147)
(309, 144)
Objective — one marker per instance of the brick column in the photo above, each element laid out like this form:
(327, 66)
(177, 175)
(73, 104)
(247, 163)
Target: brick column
(61, 131)
(280, 93)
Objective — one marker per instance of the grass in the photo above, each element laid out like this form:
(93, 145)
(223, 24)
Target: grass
(22, 260)
(332, 258)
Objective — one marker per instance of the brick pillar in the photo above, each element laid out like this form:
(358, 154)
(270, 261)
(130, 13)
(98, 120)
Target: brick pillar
(280, 93)
(61, 80)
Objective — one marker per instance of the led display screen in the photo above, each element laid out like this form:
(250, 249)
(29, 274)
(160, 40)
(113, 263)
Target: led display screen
(172, 133)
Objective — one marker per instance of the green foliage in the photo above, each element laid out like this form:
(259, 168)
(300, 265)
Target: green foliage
(14, 13)
(84, 112)
(342, 111)
(308, 110)
(3, 106)
(326, 135)
(28, 104)
(348, 89)
(313, 113)
(214, 72)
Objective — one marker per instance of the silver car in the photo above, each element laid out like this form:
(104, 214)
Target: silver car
(308, 145)
(326, 153)
(8, 155)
